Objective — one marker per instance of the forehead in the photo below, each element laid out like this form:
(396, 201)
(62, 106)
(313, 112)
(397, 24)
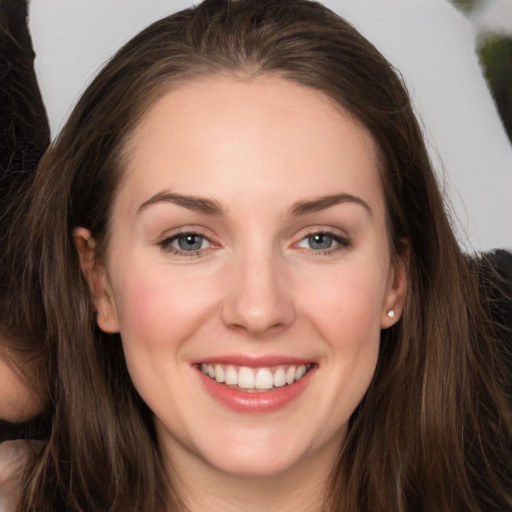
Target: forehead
(263, 133)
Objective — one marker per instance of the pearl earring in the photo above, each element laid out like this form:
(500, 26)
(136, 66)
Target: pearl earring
(391, 314)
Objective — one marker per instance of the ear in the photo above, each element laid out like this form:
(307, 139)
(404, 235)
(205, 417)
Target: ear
(394, 300)
(96, 276)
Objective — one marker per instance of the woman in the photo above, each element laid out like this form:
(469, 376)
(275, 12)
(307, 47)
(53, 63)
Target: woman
(25, 135)
(252, 295)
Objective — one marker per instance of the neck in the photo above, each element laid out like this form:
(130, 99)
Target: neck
(299, 489)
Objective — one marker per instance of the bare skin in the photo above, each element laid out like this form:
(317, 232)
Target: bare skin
(13, 458)
(280, 270)
(19, 400)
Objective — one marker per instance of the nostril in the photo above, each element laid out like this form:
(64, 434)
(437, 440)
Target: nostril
(257, 301)
(257, 319)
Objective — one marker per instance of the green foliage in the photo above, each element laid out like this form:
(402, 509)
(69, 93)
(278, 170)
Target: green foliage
(467, 6)
(495, 54)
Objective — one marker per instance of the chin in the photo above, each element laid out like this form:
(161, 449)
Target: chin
(261, 465)
(262, 454)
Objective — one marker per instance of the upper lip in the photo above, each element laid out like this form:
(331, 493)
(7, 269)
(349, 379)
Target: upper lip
(254, 361)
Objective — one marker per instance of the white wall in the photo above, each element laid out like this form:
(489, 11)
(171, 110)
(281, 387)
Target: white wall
(428, 40)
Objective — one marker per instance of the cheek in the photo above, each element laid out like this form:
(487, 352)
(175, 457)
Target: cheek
(159, 311)
(346, 314)
(158, 308)
(342, 307)
(349, 305)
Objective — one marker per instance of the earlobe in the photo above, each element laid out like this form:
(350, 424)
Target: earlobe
(396, 291)
(96, 277)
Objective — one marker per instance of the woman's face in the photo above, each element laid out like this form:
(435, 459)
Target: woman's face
(249, 273)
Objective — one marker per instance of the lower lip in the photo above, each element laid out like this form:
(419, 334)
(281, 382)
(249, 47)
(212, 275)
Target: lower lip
(256, 402)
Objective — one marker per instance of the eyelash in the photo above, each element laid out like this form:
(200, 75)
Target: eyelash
(340, 241)
(166, 244)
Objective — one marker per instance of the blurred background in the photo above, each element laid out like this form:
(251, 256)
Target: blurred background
(455, 58)
(492, 24)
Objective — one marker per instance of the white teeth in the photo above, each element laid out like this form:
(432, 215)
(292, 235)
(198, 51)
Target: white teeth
(246, 378)
(231, 376)
(301, 371)
(264, 379)
(219, 373)
(279, 378)
(251, 378)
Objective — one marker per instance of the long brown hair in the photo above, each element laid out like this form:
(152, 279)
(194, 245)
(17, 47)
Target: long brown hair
(433, 431)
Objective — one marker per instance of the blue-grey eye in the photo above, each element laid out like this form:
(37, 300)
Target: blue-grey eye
(320, 241)
(189, 242)
(186, 244)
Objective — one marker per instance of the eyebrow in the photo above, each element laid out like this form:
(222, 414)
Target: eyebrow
(212, 207)
(196, 204)
(322, 203)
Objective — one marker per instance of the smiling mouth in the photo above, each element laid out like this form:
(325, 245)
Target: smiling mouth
(254, 380)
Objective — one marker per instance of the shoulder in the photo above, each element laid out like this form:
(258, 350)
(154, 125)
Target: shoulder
(14, 456)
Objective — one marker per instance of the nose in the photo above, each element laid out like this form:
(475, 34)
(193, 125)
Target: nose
(258, 298)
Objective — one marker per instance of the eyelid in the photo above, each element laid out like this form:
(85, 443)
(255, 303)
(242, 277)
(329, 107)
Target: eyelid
(339, 236)
(188, 229)
(165, 240)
